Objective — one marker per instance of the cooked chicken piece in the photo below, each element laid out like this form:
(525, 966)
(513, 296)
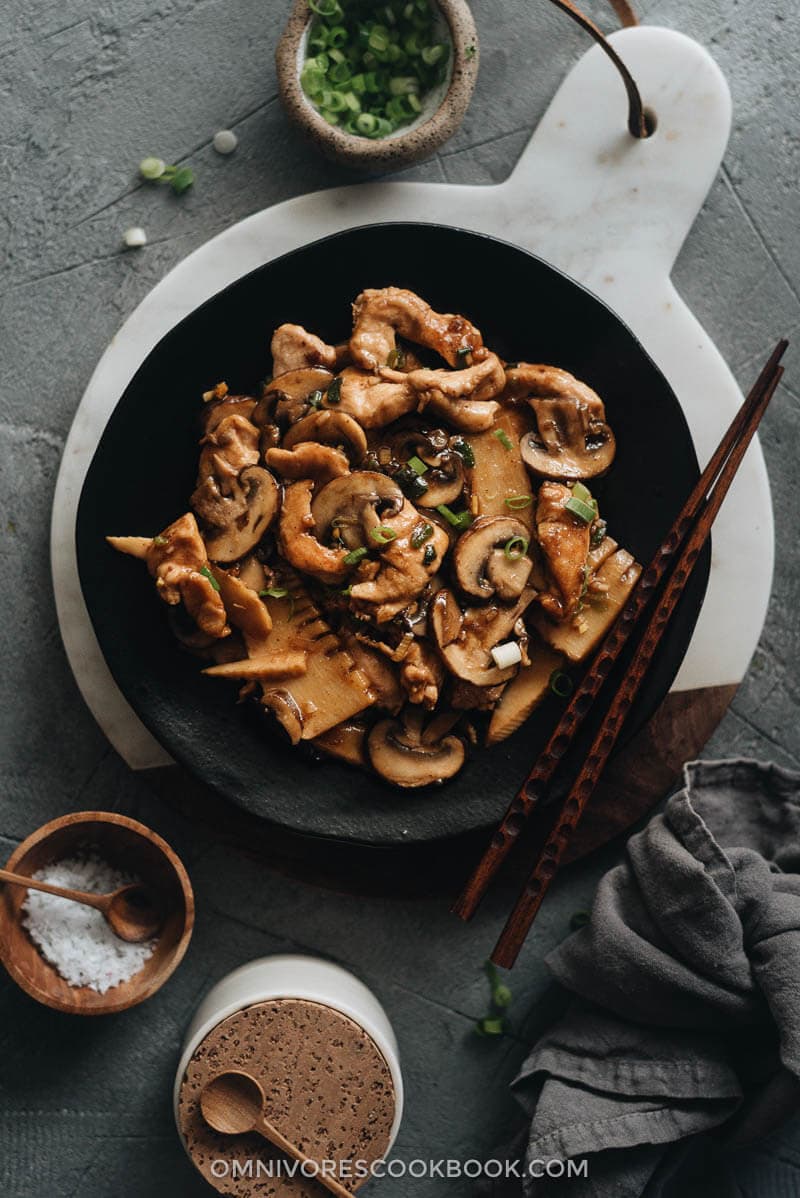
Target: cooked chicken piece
(177, 559)
(403, 572)
(308, 459)
(294, 348)
(380, 316)
(465, 398)
(227, 450)
(296, 539)
(422, 675)
(564, 540)
(373, 401)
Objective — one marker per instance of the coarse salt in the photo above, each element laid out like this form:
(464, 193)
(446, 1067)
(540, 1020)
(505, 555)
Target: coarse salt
(75, 939)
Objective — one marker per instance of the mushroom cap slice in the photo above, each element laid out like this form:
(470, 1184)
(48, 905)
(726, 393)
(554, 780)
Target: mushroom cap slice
(465, 639)
(483, 569)
(570, 442)
(400, 753)
(331, 428)
(444, 477)
(286, 396)
(254, 505)
(353, 501)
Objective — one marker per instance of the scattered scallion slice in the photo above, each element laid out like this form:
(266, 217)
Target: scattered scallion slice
(315, 399)
(411, 484)
(598, 533)
(334, 393)
(501, 994)
(561, 684)
(421, 534)
(458, 520)
(206, 572)
(515, 548)
(463, 356)
(355, 556)
(464, 451)
(492, 1025)
(273, 593)
(397, 357)
(584, 511)
(579, 491)
(503, 438)
(368, 68)
(383, 534)
(517, 502)
(159, 540)
(429, 555)
(417, 465)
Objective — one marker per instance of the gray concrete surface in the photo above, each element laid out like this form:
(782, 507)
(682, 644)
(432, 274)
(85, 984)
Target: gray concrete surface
(86, 88)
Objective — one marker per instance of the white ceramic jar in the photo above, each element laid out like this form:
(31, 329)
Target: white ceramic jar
(295, 977)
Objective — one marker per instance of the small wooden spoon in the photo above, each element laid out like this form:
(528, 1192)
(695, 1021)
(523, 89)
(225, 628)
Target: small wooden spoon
(129, 911)
(233, 1103)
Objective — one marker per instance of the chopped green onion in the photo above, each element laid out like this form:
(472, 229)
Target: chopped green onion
(584, 511)
(417, 465)
(315, 399)
(334, 394)
(429, 555)
(458, 520)
(463, 356)
(383, 534)
(561, 684)
(159, 540)
(503, 438)
(273, 593)
(598, 533)
(354, 556)
(206, 572)
(433, 54)
(515, 548)
(492, 1025)
(579, 920)
(182, 180)
(152, 168)
(410, 483)
(464, 451)
(403, 85)
(396, 359)
(517, 502)
(501, 994)
(421, 534)
(581, 492)
(366, 123)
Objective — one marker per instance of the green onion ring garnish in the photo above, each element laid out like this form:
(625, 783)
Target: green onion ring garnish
(515, 548)
(518, 502)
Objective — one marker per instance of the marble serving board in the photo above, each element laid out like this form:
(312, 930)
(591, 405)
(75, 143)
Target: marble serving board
(610, 211)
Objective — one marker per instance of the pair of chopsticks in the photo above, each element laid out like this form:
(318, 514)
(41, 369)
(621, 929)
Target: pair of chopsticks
(679, 553)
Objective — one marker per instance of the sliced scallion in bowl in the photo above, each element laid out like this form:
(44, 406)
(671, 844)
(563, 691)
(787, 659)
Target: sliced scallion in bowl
(370, 68)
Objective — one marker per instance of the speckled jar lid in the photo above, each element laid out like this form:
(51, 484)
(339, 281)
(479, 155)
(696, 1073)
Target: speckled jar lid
(328, 1089)
(437, 123)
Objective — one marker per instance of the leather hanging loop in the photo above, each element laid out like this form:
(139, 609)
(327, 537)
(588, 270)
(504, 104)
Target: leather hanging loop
(637, 121)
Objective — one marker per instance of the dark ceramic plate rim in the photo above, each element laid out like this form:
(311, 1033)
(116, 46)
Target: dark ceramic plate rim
(407, 836)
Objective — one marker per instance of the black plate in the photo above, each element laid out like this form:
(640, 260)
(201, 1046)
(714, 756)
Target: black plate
(143, 473)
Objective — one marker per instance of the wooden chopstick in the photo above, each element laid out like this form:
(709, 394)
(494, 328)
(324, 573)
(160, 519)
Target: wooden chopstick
(534, 786)
(519, 921)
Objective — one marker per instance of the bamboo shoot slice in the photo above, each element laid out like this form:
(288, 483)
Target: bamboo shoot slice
(578, 637)
(524, 693)
(499, 473)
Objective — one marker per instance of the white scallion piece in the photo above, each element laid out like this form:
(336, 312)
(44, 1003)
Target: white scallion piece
(225, 141)
(507, 655)
(135, 237)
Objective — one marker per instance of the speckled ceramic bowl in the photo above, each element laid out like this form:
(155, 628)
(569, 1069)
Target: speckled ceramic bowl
(443, 108)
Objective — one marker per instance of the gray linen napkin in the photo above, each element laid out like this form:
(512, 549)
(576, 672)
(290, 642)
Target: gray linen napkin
(687, 985)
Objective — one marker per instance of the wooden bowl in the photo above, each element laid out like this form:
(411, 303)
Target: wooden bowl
(128, 846)
(443, 110)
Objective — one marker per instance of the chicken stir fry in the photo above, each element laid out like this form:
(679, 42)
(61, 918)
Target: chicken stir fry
(393, 545)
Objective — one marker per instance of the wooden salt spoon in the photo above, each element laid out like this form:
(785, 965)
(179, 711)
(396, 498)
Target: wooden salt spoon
(233, 1103)
(129, 911)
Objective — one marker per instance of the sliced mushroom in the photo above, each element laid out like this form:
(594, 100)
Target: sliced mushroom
(465, 398)
(218, 410)
(373, 401)
(307, 459)
(404, 753)
(297, 540)
(483, 569)
(444, 476)
(330, 428)
(294, 348)
(572, 439)
(286, 398)
(355, 505)
(466, 639)
(238, 520)
(564, 541)
(379, 316)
